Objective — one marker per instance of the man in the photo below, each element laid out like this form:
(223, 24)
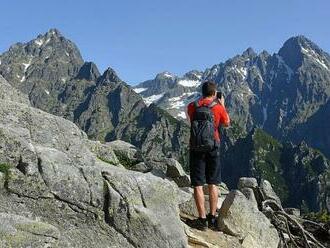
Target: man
(207, 113)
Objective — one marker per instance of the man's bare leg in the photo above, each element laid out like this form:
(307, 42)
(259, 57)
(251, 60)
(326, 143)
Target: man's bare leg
(199, 200)
(213, 194)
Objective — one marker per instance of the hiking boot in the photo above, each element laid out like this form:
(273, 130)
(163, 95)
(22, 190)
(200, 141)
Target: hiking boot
(200, 224)
(212, 222)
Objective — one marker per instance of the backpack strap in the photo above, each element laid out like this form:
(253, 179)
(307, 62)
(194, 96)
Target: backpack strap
(196, 104)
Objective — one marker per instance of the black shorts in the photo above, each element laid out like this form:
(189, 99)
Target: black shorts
(205, 167)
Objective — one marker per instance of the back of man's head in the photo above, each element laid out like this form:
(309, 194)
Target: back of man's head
(209, 88)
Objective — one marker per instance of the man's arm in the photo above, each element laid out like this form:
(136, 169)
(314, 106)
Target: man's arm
(224, 117)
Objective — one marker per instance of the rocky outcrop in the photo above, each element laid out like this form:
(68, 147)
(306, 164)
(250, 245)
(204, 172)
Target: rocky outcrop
(240, 218)
(58, 189)
(18, 231)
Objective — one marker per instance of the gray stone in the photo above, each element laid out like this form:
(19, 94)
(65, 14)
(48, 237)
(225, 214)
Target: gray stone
(134, 195)
(240, 218)
(7, 92)
(249, 194)
(18, 231)
(174, 168)
(103, 152)
(125, 151)
(141, 167)
(2, 179)
(268, 192)
(182, 181)
(210, 239)
(247, 182)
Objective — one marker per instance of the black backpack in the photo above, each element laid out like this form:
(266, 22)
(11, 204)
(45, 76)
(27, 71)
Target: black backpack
(202, 128)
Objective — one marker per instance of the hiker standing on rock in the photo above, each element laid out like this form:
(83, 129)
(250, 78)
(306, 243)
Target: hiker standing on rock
(206, 115)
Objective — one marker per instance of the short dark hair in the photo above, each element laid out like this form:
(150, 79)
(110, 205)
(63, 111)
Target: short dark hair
(209, 88)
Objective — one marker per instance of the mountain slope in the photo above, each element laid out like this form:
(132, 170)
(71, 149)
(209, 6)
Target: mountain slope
(300, 175)
(52, 72)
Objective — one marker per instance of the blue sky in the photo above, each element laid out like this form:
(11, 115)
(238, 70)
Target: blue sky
(139, 38)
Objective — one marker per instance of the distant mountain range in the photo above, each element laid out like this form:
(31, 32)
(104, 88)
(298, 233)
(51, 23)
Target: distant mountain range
(286, 94)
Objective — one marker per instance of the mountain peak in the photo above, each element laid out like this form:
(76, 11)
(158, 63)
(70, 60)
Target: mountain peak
(109, 76)
(298, 41)
(296, 48)
(249, 52)
(88, 71)
(194, 75)
(291, 51)
(165, 75)
(53, 32)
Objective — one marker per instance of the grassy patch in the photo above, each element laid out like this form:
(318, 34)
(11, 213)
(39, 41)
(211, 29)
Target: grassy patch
(5, 169)
(126, 162)
(321, 216)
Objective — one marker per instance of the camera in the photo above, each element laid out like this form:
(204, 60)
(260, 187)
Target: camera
(219, 94)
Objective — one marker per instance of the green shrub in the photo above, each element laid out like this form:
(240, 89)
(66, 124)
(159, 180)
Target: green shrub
(4, 168)
(322, 216)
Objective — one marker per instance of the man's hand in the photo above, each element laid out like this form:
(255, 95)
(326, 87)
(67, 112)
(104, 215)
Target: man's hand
(222, 101)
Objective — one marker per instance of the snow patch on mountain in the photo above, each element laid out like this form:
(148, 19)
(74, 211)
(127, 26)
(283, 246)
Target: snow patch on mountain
(288, 69)
(316, 57)
(153, 99)
(139, 90)
(241, 71)
(39, 42)
(26, 65)
(189, 83)
(168, 75)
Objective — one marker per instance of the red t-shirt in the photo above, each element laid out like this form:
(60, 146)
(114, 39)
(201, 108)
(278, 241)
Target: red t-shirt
(221, 116)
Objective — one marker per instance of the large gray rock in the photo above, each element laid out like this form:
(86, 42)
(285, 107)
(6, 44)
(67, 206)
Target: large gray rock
(143, 198)
(249, 194)
(56, 177)
(126, 151)
(240, 218)
(18, 231)
(175, 171)
(10, 94)
(174, 168)
(268, 192)
(247, 182)
(210, 239)
(103, 152)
